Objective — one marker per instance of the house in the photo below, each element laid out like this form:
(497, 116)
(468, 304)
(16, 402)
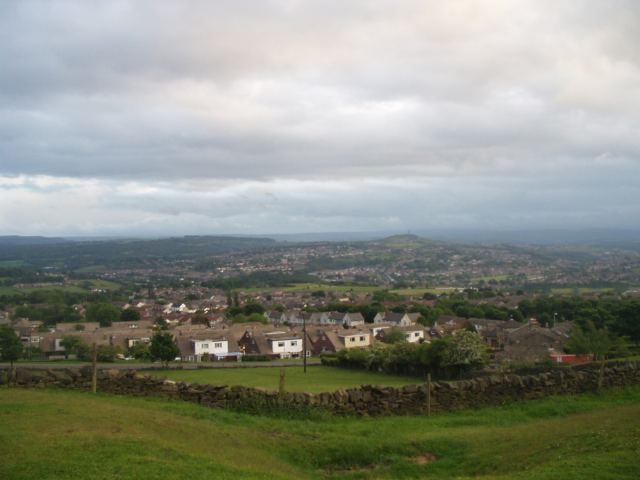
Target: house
(531, 343)
(332, 318)
(570, 359)
(132, 341)
(493, 332)
(397, 319)
(412, 334)
(358, 339)
(284, 345)
(248, 344)
(352, 320)
(298, 318)
(276, 318)
(319, 343)
(212, 347)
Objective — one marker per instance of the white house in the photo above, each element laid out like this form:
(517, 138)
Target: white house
(353, 320)
(397, 319)
(285, 345)
(213, 347)
(131, 341)
(413, 334)
(57, 345)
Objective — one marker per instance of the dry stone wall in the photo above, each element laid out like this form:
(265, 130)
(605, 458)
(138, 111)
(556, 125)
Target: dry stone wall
(365, 400)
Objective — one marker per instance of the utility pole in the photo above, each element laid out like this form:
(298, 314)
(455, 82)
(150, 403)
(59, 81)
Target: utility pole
(304, 343)
(94, 368)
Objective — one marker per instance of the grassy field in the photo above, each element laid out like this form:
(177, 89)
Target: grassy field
(11, 263)
(412, 292)
(488, 278)
(74, 288)
(579, 291)
(48, 434)
(317, 378)
(312, 287)
(104, 284)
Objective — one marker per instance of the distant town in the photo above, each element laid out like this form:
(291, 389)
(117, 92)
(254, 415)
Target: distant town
(226, 299)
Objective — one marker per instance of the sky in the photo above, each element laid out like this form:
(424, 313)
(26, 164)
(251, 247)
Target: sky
(247, 117)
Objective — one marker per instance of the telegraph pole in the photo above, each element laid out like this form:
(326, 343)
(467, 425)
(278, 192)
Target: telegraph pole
(304, 343)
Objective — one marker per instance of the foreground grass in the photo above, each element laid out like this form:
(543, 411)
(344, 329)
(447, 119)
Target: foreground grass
(317, 379)
(49, 434)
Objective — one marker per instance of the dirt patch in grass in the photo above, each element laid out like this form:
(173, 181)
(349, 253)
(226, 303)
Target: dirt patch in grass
(424, 458)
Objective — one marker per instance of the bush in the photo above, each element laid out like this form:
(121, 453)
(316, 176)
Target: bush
(445, 358)
(255, 358)
(106, 353)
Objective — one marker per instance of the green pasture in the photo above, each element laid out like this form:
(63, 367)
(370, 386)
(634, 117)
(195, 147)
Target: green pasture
(63, 434)
(317, 379)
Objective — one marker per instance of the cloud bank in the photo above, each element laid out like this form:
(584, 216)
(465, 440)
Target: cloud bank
(161, 117)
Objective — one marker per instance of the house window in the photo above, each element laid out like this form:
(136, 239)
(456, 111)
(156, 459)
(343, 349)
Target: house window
(205, 346)
(281, 344)
(294, 343)
(417, 334)
(351, 339)
(362, 339)
(217, 345)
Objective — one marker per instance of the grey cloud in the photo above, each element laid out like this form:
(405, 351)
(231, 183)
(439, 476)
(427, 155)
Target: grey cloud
(454, 98)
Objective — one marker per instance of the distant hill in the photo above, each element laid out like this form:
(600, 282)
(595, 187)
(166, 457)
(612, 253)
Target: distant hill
(594, 236)
(129, 252)
(17, 240)
(404, 241)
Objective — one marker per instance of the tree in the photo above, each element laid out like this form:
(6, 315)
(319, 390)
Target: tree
(160, 323)
(253, 307)
(254, 317)
(163, 347)
(464, 350)
(10, 348)
(129, 315)
(103, 313)
(140, 351)
(394, 335)
(106, 353)
(598, 342)
(629, 320)
(73, 346)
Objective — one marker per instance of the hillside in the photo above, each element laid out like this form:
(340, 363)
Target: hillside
(107, 437)
(128, 252)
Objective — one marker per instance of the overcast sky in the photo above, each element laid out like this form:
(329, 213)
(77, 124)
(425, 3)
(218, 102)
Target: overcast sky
(181, 117)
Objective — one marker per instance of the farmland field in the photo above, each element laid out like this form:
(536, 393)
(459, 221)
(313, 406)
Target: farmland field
(579, 290)
(317, 379)
(407, 292)
(312, 287)
(56, 434)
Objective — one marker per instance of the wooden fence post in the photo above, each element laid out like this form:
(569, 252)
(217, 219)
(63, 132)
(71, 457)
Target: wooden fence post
(429, 394)
(281, 386)
(94, 368)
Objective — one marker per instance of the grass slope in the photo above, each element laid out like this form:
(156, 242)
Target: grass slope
(317, 379)
(49, 434)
